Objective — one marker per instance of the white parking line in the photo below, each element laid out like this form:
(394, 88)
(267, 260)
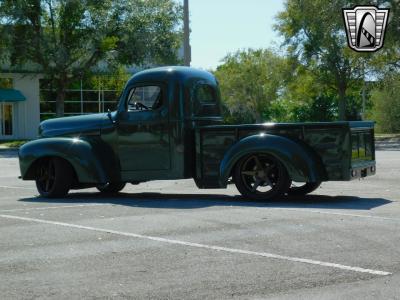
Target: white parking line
(204, 246)
(16, 187)
(306, 210)
(54, 207)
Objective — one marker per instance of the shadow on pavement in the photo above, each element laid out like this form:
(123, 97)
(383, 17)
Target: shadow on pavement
(193, 201)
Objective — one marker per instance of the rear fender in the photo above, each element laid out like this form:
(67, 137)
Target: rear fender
(89, 166)
(302, 164)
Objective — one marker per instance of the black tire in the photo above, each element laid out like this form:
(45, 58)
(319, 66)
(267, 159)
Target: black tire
(261, 177)
(54, 178)
(111, 188)
(304, 189)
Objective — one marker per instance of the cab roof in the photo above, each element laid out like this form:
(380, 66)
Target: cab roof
(175, 73)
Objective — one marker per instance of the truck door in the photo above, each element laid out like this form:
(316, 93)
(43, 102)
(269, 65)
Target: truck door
(143, 130)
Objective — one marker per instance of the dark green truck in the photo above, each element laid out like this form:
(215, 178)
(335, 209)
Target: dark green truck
(168, 125)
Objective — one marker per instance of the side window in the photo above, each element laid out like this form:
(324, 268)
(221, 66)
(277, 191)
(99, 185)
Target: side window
(144, 98)
(205, 101)
(205, 94)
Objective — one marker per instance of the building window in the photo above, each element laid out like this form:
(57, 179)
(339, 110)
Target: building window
(6, 119)
(6, 83)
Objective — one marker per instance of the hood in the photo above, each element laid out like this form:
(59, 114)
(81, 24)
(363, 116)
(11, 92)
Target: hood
(79, 125)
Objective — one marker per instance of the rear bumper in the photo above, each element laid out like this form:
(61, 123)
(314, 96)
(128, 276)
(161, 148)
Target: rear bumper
(361, 170)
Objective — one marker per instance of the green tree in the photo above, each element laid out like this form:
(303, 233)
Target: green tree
(387, 60)
(386, 65)
(250, 83)
(66, 39)
(305, 97)
(314, 32)
(110, 81)
(308, 98)
(386, 102)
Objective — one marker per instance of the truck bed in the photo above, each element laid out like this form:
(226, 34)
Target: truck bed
(341, 146)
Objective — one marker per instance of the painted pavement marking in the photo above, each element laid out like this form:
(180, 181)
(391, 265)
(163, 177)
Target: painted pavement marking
(204, 246)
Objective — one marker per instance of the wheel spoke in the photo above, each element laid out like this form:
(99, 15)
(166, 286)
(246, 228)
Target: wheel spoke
(256, 185)
(258, 163)
(47, 175)
(267, 171)
(268, 181)
(268, 168)
(249, 173)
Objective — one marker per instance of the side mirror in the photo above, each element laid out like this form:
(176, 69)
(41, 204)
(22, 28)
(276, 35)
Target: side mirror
(110, 116)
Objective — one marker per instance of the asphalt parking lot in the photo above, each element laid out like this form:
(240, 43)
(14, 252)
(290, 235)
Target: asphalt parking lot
(169, 240)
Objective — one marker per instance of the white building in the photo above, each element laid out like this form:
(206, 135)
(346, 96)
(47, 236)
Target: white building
(20, 99)
(19, 105)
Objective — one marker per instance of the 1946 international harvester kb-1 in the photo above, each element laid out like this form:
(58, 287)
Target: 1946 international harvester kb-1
(168, 125)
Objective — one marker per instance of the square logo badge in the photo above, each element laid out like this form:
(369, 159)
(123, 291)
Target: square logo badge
(365, 27)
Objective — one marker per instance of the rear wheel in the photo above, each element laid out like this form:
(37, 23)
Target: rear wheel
(261, 177)
(54, 177)
(111, 187)
(301, 189)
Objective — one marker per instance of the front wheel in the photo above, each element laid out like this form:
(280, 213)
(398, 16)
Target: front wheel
(111, 187)
(54, 177)
(261, 177)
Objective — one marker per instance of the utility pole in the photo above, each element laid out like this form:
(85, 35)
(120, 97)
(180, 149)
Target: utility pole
(186, 34)
(363, 93)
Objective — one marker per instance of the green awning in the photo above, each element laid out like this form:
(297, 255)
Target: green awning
(11, 95)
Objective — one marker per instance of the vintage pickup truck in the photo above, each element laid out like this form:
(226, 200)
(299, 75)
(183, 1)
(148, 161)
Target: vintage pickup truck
(168, 125)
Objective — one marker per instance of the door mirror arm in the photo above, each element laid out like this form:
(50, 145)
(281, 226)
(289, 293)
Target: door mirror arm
(113, 121)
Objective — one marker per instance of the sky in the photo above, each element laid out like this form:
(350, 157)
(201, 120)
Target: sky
(219, 27)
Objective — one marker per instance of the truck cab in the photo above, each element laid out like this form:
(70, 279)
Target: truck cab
(168, 125)
(154, 125)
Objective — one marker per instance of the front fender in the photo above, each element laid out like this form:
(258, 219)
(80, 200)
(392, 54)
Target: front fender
(302, 164)
(82, 155)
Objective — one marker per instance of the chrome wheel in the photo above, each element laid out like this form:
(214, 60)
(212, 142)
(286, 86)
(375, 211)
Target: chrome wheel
(261, 176)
